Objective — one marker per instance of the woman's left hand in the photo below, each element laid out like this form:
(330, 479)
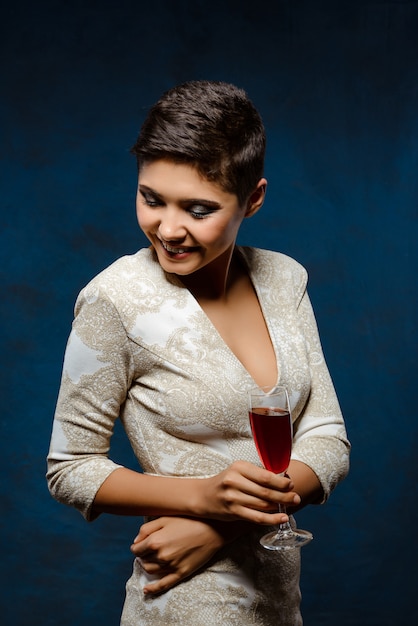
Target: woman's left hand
(173, 548)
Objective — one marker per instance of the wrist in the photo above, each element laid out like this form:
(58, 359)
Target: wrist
(196, 500)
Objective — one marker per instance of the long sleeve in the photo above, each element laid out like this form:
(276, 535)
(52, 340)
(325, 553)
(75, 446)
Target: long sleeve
(95, 379)
(320, 439)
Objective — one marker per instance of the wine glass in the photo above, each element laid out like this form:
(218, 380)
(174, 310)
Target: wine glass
(271, 425)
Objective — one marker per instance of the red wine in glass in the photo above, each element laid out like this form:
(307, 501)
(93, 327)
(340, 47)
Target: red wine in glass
(271, 425)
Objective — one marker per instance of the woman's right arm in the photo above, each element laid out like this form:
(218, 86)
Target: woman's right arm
(99, 368)
(187, 533)
(243, 491)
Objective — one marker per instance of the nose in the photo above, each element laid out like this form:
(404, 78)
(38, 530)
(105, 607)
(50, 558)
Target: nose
(171, 227)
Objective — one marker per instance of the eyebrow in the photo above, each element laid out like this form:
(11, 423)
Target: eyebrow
(205, 201)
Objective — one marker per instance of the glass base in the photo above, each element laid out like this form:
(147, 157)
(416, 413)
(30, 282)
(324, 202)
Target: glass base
(286, 539)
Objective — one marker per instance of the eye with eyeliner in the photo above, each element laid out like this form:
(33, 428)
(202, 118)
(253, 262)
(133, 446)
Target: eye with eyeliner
(150, 199)
(197, 209)
(200, 211)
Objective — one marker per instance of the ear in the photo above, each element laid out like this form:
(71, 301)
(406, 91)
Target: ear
(256, 199)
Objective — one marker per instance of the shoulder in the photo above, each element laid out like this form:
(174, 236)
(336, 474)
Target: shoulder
(125, 268)
(125, 272)
(275, 267)
(132, 286)
(128, 274)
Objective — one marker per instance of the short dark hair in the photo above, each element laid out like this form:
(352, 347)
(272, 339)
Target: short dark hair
(212, 126)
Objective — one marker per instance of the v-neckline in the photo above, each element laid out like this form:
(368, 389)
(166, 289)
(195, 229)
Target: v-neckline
(173, 278)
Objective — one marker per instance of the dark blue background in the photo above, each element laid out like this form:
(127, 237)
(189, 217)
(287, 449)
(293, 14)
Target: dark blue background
(337, 85)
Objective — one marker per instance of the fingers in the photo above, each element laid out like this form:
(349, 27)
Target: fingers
(265, 519)
(147, 529)
(153, 569)
(174, 551)
(143, 548)
(253, 493)
(261, 476)
(263, 496)
(252, 479)
(165, 583)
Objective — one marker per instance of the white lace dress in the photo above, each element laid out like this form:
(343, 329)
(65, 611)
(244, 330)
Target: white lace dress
(142, 349)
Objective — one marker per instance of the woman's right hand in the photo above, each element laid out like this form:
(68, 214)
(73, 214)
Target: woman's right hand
(246, 492)
(243, 492)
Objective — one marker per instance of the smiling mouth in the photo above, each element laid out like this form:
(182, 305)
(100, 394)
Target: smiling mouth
(173, 250)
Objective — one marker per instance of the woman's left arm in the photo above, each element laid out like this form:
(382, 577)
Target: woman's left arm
(306, 484)
(320, 454)
(173, 548)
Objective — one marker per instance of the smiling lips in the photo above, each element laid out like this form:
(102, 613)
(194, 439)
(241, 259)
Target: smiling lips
(173, 250)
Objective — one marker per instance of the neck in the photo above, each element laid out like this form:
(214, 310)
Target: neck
(214, 281)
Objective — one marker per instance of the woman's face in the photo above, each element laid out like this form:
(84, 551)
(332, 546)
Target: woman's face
(190, 221)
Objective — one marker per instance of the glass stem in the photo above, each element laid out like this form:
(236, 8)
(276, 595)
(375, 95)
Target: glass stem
(284, 528)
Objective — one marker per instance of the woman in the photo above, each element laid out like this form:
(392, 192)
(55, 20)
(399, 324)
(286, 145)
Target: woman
(170, 340)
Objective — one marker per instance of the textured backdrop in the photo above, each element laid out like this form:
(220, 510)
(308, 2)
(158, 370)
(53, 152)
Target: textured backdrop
(336, 83)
